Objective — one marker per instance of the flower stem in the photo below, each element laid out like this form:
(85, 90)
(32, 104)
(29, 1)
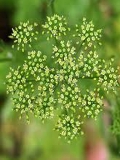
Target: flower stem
(52, 6)
(5, 59)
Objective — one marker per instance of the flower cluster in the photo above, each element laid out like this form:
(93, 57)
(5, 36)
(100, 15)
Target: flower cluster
(41, 88)
(32, 86)
(56, 26)
(108, 78)
(88, 35)
(69, 98)
(92, 103)
(24, 35)
(69, 127)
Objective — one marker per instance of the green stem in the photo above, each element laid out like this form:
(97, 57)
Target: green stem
(80, 46)
(52, 6)
(88, 77)
(5, 59)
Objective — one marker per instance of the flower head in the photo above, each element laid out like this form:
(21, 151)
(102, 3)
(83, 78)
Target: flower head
(24, 35)
(41, 88)
(56, 26)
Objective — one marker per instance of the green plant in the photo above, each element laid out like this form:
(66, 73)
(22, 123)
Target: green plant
(53, 84)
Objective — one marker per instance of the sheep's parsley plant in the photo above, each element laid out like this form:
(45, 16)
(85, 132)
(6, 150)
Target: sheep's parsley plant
(46, 89)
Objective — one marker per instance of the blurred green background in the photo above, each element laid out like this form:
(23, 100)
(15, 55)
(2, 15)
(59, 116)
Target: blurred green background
(37, 141)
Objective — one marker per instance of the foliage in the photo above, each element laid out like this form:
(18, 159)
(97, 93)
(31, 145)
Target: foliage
(115, 128)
